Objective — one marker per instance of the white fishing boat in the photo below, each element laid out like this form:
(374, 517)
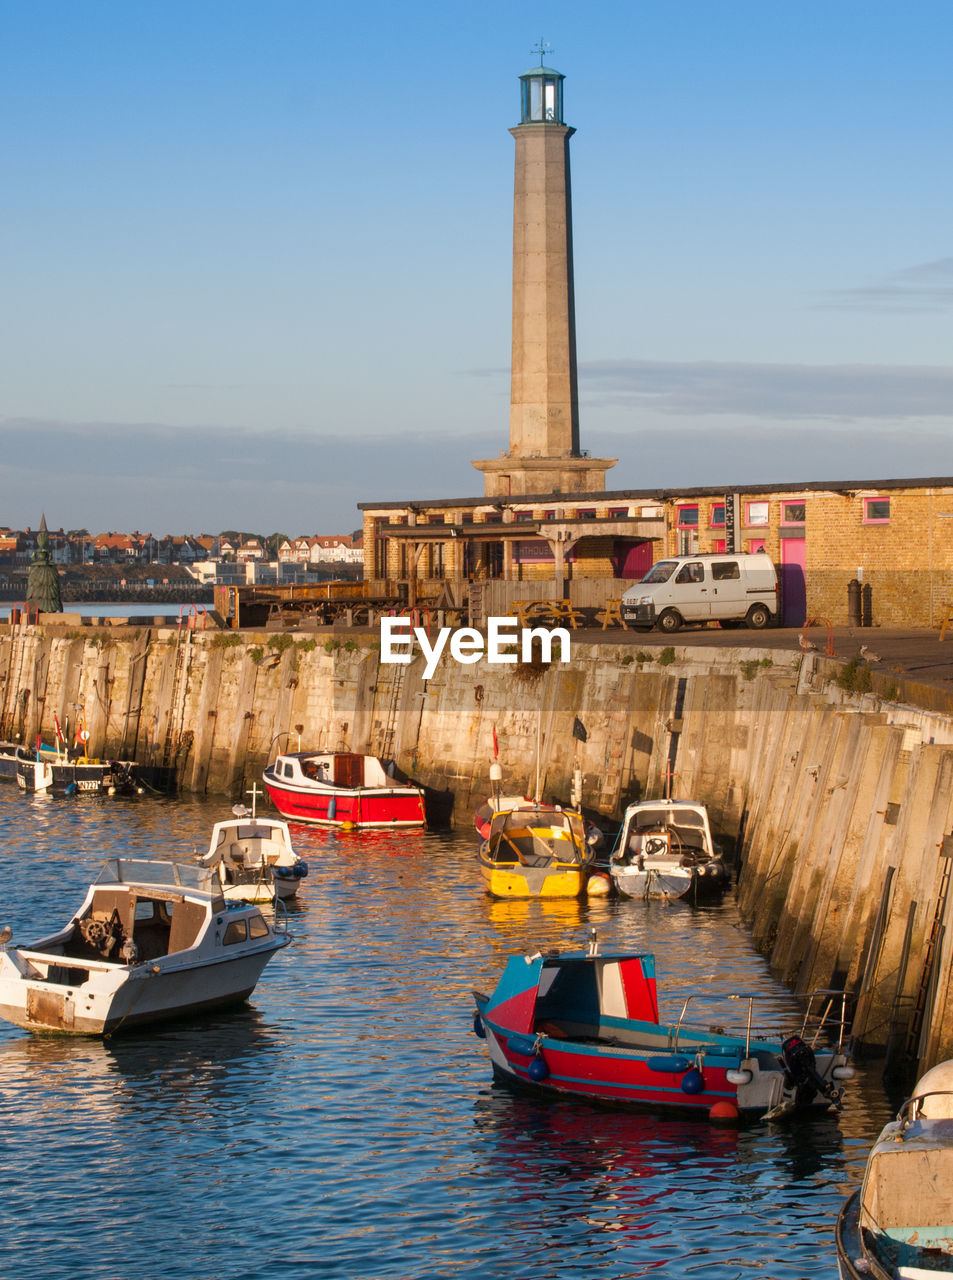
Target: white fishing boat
(152, 940)
(665, 850)
(899, 1225)
(254, 857)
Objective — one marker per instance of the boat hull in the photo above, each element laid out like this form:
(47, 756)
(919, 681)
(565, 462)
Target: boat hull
(131, 997)
(508, 881)
(336, 807)
(91, 778)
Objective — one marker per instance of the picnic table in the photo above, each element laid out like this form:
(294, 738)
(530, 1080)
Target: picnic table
(554, 611)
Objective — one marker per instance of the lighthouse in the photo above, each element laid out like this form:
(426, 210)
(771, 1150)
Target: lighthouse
(544, 454)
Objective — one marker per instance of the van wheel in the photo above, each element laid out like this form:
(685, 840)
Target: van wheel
(669, 621)
(758, 617)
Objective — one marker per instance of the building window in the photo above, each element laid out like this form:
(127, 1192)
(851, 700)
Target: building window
(493, 517)
(549, 515)
(754, 545)
(716, 515)
(688, 517)
(719, 546)
(521, 517)
(876, 511)
(586, 513)
(792, 513)
(756, 513)
(616, 513)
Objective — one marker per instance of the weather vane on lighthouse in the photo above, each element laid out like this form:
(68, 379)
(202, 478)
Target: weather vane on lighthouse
(542, 49)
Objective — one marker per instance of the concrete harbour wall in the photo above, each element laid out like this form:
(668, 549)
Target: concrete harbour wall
(839, 804)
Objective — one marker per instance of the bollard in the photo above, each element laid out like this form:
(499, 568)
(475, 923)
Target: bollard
(867, 610)
(853, 603)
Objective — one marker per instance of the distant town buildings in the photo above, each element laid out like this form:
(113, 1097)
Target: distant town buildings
(208, 557)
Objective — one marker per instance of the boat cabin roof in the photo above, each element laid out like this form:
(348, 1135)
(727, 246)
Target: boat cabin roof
(250, 828)
(658, 813)
(147, 875)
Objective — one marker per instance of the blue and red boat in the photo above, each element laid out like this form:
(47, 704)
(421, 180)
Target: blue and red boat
(586, 1024)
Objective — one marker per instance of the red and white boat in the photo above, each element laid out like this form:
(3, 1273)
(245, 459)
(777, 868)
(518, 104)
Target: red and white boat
(341, 789)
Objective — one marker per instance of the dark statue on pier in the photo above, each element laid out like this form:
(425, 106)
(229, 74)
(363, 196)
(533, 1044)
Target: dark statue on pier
(43, 580)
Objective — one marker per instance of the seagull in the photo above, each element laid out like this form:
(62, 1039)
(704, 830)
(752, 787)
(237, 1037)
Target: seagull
(807, 644)
(867, 655)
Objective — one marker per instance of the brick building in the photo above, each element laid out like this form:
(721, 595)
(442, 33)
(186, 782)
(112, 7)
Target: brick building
(895, 537)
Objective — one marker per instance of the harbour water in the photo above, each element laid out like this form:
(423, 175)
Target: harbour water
(344, 1124)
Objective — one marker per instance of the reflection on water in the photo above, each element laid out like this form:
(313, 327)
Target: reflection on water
(344, 1123)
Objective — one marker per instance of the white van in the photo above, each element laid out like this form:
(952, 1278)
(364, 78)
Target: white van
(726, 588)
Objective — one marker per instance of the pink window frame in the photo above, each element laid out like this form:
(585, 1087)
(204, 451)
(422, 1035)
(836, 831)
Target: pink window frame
(791, 523)
(712, 522)
(688, 506)
(755, 545)
(757, 524)
(876, 519)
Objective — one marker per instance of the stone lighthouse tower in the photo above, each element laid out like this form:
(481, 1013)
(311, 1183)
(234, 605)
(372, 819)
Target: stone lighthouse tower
(544, 455)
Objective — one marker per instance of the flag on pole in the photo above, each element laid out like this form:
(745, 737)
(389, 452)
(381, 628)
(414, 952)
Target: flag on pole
(579, 730)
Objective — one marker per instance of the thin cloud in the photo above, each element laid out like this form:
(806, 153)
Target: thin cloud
(926, 287)
(776, 391)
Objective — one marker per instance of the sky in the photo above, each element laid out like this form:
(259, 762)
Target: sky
(255, 258)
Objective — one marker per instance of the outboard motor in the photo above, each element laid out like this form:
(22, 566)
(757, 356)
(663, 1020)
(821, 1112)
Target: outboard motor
(800, 1073)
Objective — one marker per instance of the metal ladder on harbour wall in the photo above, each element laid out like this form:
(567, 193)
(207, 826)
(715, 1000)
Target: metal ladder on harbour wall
(389, 724)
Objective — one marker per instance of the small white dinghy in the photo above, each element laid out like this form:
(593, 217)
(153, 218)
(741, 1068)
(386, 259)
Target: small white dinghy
(253, 856)
(152, 940)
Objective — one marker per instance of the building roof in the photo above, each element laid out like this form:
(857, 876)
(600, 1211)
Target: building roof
(661, 495)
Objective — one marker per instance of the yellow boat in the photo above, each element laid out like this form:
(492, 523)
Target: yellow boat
(539, 851)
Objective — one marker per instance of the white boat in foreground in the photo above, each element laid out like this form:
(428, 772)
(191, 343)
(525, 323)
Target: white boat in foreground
(253, 857)
(899, 1225)
(152, 940)
(666, 850)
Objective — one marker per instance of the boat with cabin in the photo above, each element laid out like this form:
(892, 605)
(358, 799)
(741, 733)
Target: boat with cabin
(535, 851)
(253, 856)
(152, 940)
(586, 1024)
(665, 850)
(899, 1224)
(342, 789)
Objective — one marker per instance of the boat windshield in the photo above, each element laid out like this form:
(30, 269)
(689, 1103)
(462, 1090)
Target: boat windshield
(257, 830)
(672, 817)
(178, 875)
(661, 572)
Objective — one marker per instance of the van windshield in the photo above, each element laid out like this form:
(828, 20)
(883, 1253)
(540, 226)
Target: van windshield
(661, 572)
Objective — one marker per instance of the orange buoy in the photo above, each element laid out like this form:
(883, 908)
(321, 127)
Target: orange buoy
(723, 1111)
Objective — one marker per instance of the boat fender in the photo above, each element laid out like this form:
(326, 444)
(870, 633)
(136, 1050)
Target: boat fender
(70, 789)
(537, 1069)
(525, 1046)
(669, 1063)
(299, 870)
(478, 1027)
(693, 1081)
(281, 873)
(332, 808)
(740, 1076)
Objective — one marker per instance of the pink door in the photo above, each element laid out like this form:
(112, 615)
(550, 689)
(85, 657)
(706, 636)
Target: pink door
(632, 559)
(793, 585)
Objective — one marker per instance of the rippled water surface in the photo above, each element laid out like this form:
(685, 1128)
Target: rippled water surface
(344, 1124)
